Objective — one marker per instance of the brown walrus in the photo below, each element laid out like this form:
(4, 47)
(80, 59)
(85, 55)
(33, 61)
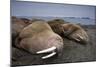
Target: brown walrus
(38, 38)
(69, 30)
(17, 24)
(75, 32)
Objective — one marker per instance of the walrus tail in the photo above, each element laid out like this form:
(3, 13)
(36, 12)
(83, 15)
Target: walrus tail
(51, 50)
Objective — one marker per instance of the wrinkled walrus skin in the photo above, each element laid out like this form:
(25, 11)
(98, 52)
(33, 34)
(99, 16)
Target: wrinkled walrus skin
(38, 38)
(69, 30)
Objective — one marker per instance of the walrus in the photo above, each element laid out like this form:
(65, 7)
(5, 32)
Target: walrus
(17, 24)
(39, 38)
(75, 32)
(71, 31)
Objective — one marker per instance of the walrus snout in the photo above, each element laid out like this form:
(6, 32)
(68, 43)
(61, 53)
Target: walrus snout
(57, 46)
(80, 36)
(76, 33)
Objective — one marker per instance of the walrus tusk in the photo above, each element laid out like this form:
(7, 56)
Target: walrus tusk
(47, 50)
(48, 56)
(80, 36)
(76, 39)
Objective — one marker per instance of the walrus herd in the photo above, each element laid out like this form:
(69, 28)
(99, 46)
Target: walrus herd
(40, 37)
(69, 30)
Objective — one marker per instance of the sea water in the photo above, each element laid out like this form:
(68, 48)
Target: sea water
(76, 20)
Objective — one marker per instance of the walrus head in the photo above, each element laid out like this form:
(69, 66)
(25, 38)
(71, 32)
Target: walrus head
(38, 38)
(75, 32)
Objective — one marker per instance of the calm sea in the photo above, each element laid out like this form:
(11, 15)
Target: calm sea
(83, 21)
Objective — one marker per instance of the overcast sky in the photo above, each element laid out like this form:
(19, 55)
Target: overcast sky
(49, 9)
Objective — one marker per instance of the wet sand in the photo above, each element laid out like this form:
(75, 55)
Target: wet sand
(72, 52)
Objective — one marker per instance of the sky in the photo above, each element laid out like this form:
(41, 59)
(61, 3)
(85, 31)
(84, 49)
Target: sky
(51, 9)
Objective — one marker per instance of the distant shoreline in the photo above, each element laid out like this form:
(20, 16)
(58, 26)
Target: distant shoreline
(76, 20)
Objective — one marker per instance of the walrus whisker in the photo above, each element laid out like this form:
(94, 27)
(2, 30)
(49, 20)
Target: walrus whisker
(47, 50)
(48, 56)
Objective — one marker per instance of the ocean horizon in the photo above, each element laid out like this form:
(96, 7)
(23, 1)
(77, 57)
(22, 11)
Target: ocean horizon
(76, 20)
